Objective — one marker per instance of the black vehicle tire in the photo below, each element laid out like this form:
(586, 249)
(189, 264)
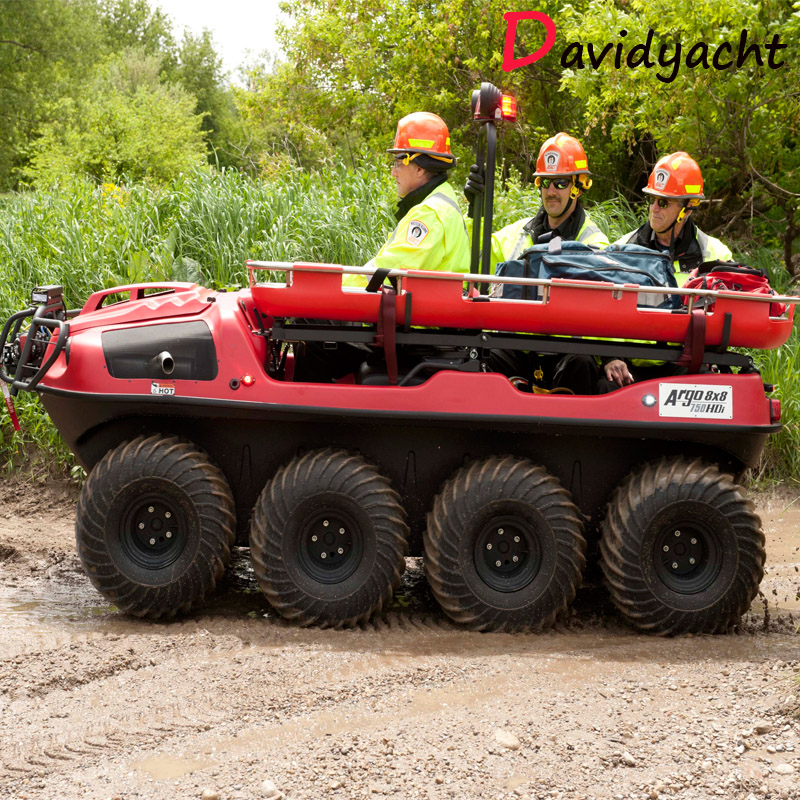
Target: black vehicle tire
(682, 549)
(328, 540)
(504, 546)
(154, 526)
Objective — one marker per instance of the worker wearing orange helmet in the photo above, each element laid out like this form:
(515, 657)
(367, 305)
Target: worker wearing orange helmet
(430, 232)
(675, 189)
(562, 176)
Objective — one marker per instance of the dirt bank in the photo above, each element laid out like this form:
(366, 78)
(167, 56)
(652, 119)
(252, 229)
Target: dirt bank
(94, 705)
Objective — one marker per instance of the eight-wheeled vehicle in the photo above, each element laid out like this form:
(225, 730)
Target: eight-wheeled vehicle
(181, 404)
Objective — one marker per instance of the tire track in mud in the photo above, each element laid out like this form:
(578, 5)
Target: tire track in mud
(256, 695)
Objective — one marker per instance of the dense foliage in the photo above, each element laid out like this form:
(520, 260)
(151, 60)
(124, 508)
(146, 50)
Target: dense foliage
(101, 88)
(353, 67)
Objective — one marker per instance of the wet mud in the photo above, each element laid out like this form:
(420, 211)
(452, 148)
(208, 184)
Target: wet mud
(94, 704)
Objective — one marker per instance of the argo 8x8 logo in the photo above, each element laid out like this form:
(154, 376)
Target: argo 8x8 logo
(667, 57)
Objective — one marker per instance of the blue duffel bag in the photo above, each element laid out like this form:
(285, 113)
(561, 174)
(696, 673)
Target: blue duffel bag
(618, 263)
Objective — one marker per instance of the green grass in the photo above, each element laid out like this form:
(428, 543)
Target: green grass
(204, 226)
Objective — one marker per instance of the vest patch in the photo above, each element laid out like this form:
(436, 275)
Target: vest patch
(416, 232)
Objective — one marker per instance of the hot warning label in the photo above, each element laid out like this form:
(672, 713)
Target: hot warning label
(163, 389)
(695, 401)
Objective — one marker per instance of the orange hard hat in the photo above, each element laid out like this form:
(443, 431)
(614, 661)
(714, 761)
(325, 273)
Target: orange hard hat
(423, 132)
(676, 176)
(561, 154)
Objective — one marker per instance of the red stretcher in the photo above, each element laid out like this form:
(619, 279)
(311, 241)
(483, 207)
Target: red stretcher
(566, 307)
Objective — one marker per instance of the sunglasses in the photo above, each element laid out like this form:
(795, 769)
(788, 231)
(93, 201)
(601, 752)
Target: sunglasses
(661, 202)
(559, 183)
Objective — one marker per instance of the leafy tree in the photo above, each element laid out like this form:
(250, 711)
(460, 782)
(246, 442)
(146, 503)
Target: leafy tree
(135, 24)
(199, 71)
(46, 46)
(741, 123)
(126, 122)
(353, 67)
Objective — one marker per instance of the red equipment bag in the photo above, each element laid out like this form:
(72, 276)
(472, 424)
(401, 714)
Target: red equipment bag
(730, 276)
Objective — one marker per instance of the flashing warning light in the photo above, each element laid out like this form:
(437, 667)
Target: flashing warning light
(508, 108)
(248, 379)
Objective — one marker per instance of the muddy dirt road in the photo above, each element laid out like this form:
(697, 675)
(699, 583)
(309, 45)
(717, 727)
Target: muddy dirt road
(233, 703)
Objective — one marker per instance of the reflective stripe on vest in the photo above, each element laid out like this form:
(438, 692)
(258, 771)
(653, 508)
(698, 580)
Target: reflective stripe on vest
(702, 240)
(441, 196)
(450, 202)
(525, 240)
(588, 230)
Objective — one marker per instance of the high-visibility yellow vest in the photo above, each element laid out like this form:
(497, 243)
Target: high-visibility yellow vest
(432, 235)
(711, 248)
(510, 242)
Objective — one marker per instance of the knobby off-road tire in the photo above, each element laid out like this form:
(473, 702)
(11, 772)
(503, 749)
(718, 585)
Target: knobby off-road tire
(682, 549)
(504, 546)
(154, 526)
(328, 540)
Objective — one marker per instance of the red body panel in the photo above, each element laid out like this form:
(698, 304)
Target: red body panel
(573, 308)
(185, 298)
(240, 350)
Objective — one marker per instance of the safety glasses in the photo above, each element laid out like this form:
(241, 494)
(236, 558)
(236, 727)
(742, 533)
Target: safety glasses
(559, 183)
(403, 160)
(661, 202)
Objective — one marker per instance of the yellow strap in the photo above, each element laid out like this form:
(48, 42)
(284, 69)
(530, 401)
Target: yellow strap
(556, 390)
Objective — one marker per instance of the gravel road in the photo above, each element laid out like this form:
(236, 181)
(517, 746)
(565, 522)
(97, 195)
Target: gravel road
(234, 703)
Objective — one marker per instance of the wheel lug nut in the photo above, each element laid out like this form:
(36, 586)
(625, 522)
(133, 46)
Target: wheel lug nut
(666, 548)
(677, 533)
(325, 523)
(489, 546)
(674, 565)
(498, 563)
(515, 559)
(500, 531)
(152, 541)
(694, 541)
(168, 534)
(516, 539)
(141, 526)
(314, 538)
(341, 530)
(167, 515)
(691, 561)
(150, 509)
(323, 555)
(340, 551)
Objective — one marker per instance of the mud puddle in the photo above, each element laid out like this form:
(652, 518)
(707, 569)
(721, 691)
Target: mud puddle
(52, 606)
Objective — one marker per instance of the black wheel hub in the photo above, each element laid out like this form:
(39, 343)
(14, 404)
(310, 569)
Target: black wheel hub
(330, 547)
(687, 556)
(153, 531)
(507, 554)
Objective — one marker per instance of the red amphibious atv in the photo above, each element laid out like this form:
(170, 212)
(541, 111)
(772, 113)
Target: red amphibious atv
(180, 403)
